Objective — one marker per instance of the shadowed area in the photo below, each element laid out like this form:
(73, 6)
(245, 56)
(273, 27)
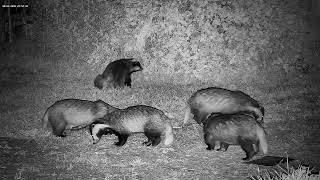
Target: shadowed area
(283, 162)
(270, 160)
(25, 158)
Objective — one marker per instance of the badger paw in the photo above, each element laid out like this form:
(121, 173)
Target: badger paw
(209, 148)
(119, 143)
(222, 149)
(147, 143)
(245, 158)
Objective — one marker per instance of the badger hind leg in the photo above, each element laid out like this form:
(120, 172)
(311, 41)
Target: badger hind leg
(59, 129)
(209, 140)
(198, 116)
(223, 146)
(247, 146)
(154, 138)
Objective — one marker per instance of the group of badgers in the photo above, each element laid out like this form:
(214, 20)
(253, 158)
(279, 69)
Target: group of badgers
(228, 117)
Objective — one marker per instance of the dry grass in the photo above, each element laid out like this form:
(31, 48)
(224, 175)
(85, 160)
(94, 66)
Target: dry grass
(290, 110)
(287, 173)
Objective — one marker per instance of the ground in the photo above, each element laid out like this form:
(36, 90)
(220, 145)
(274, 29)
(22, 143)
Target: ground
(28, 152)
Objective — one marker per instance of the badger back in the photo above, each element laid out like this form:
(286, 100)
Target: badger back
(102, 108)
(219, 100)
(136, 118)
(228, 127)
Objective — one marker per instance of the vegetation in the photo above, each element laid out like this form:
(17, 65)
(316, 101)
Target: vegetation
(290, 173)
(254, 46)
(185, 41)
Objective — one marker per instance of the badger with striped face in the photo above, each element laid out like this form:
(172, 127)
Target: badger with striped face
(135, 119)
(118, 74)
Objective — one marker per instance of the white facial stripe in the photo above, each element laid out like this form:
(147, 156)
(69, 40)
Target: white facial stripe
(96, 128)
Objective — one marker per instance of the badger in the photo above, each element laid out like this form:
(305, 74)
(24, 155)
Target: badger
(218, 100)
(118, 73)
(235, 129)
(134, 119)
(74, 114)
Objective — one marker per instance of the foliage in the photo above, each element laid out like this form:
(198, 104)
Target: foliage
(220, 40)
(301, 173)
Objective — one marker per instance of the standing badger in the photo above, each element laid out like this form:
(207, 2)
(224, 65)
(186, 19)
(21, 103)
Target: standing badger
(235, 129)
(118, 73)
(218, 100)
(134, 119)
(74, 113)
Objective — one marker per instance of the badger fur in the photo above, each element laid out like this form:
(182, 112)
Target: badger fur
(118, 73)
(235, 129)
(218, 100)
(74, 114)
(135, 119)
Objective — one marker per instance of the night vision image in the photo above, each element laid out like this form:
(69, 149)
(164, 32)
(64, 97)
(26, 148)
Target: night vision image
(160, 89)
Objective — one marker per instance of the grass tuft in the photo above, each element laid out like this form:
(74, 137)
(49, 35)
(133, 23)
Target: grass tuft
(287, 173)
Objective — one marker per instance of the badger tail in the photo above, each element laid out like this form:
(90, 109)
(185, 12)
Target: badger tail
(98, 82)
(186, 115)
(45, 120)
(171, 118)
(168, 135)
(262, 139)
